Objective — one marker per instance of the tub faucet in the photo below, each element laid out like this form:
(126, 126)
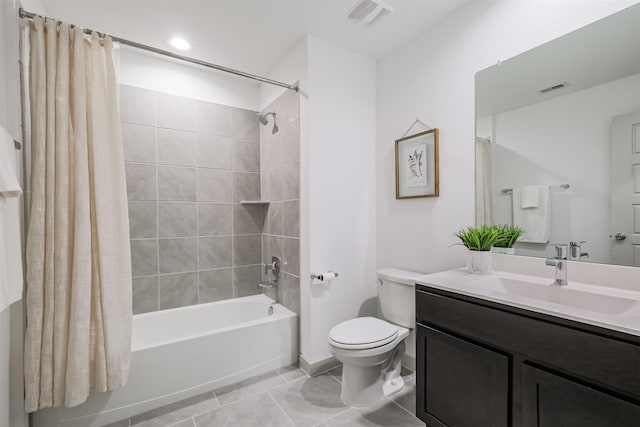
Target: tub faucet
(268, 284)
(560, 263)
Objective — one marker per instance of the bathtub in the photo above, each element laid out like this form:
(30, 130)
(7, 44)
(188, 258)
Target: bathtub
(183, 352)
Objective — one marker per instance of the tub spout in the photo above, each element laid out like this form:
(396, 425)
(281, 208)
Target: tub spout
(269, 284)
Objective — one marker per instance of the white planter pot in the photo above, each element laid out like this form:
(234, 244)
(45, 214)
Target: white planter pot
(479, 262)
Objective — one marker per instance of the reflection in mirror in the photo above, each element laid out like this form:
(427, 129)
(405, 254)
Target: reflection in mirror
(558, 143)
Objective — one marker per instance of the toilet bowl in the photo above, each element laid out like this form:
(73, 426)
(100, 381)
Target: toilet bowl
(371, 360)
(371, 349)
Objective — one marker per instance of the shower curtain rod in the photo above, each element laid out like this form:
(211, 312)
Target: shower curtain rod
(28, 15)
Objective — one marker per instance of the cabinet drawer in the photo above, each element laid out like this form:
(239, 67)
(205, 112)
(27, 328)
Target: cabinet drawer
(600, 360)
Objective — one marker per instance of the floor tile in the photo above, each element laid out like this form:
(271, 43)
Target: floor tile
(249, 387)
(121, 423)
(336, 373)
(309, 401)
(260, 410)
(407, 397)
(176, 412)
(290, 373)
(186, 423)
(386, 414)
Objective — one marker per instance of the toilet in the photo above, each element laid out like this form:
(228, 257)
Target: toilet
(371, 349)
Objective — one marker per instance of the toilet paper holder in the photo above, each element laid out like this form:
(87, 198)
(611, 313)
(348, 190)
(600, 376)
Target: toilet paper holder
(322, 277)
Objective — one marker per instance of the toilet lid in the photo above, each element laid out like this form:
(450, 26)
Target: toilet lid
(361, 331)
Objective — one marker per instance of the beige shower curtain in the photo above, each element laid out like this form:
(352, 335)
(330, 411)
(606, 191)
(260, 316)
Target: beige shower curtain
(78, 301)
(484, 187)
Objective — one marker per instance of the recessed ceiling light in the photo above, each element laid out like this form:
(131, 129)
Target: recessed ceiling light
(179, 43)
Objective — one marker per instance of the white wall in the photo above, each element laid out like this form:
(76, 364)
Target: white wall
(564, 140)
(341, 167)
(432, 77)
(11, 325)
(149, 71)
(337, 207)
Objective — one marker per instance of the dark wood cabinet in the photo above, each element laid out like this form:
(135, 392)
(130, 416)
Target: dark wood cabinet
(465, 384)
(549, 400)
(480, 364)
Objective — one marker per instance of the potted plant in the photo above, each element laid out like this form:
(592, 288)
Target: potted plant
(508, 236)
(479, 240)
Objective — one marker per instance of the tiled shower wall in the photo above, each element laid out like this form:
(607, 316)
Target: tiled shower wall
(281, 186)
(188, 164)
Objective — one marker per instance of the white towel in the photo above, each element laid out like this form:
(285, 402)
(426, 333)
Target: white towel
(11, 280)
(535, 222)
(531, 196)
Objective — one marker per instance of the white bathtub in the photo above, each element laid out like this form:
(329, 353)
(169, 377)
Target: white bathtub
(186, 351)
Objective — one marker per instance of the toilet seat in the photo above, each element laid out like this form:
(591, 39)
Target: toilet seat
(362, 333)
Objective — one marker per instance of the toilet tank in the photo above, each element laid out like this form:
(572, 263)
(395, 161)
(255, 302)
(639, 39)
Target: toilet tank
(396, 293)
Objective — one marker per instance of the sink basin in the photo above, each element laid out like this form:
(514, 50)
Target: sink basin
(571, 295)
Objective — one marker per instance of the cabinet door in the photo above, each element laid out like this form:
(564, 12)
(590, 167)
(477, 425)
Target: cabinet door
(549, 400)
(460, 383)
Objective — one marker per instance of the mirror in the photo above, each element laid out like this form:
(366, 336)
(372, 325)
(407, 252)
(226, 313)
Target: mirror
(558, 143)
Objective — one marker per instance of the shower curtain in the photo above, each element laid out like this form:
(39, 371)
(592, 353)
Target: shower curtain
(78, 301)
(484, 196)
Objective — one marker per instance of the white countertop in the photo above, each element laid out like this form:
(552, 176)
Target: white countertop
(605, 306)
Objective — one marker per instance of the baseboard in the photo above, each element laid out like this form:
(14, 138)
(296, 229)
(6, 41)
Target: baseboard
(409, 362)
(313, 369)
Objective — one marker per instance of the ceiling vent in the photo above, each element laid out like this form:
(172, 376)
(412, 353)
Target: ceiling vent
(367, 12)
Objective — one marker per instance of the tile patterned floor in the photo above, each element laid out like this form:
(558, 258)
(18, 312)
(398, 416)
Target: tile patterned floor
(283, 398)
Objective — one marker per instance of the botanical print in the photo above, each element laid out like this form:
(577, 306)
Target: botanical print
(417, 166)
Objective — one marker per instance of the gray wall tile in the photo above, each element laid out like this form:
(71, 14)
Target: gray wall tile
(213, 119)
(176, 147)
(176, 112)
(214, 252)
(244, 124)
(177, 219)
(144, 257)
(247, 250)
(176, 183)
(246, 186)
(215, 285)
(178, 290)
(246, 281)
(214, 218)
(291, 292)
(141, 181)
(291, 256)
(275, 247)
(143, 219)
(138, 143)
(214, 151)
(274, 218)
(291, 218)
(246, 156)
(137, 105)
(291, 142)
(247, 219)
(291, 181)
(274, 184)
(214, 185)
(145, 294)
(178, 255)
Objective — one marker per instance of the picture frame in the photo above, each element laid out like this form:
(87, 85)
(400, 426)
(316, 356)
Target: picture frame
(417, 166)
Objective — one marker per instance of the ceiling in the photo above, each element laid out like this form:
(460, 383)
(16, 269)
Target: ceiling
(250, 35)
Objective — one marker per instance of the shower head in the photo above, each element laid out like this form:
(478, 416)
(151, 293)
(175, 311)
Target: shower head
(262, 118)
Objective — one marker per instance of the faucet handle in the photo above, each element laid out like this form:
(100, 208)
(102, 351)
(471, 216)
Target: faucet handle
(561, 250)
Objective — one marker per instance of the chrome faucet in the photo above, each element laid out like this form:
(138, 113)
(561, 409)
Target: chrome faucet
(576, 250)
(560, 263)
(274, 266)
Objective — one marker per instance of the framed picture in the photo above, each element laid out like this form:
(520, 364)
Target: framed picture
(417, 165)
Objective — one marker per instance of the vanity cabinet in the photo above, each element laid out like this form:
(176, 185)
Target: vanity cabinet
(481, 363)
